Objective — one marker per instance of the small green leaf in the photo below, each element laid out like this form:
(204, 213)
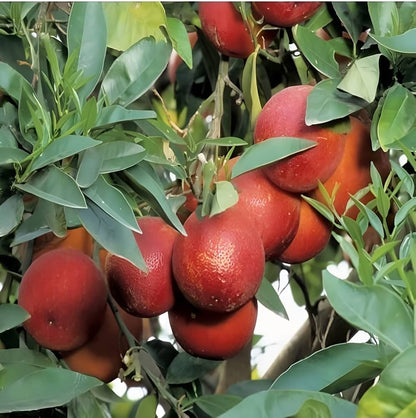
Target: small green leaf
(180, 41)
(11, 214)
(250, 88)
(90, 162)
(407, 181)
(115, 114)
(403, 212)
(403, 43)
(225, 196)
(11, 316)
(268, 297)
(383, 250)
(228, 141)
(147, 407)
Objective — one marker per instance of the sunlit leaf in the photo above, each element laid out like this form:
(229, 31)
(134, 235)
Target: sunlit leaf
(180, 41)
(228, 141)
(11, 316)
(225, 196)
(268, 297)
(250, 89)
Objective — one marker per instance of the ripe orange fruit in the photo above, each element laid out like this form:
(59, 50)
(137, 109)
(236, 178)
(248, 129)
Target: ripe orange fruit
(101, 356)
(219, 265)
(311, 238)
(65, 294)
(140, 293)
(284, 116)
(353, 172)
(213, 335)
(274, 212)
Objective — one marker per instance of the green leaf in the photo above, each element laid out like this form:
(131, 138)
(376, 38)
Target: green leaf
(147, 407)
(362, 78)
(405, 248)
(115, 114)
(285, 403)
(374, 309)
(112, 201)
(384, 17)
(87, 37)
(326, 103)
(12, 82)
(24, 356)
(312, 408)
(383, 250)
(269, 298)
(317, 51)
(269, 151)
(87, 405)
(56, 186)
(250, 88)
(403, 212)
(395, 393)
(11, 214)
(225, 196)
(63, 148)
(11, 316)
(406, 179)
(374, 220)
(90, 163)
(404, 43)
(214, 405)
(133, 73)
(10, 155)
(180, 41)
(228, 141)
(45, 388)
(351, 14)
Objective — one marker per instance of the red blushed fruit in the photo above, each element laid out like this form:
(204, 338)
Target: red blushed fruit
(285, 13)
(219, 265)
(223, 25)
(274, 212)
(140, 293)
(65, 294)
(101, 356)
(311, 237)
(284, 116)
(213, 335)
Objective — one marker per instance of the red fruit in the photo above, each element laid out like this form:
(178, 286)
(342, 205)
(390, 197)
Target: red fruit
(353, 172)
(101, 356)
(284, 116)
(311, 237)
(219, 265)
(285, 13)
(65, 294)
(225, 28)
(140, 293)
(213, 335)
(274, 212)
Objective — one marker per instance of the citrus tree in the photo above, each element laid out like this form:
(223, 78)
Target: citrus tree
(174, 158)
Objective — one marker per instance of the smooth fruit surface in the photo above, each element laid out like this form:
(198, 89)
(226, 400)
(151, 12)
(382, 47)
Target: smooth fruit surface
(223, 25)
(101, 356)
(284, 116)
(274, 212)
(213, 335)
(140, 293)
(285, 13)
(219, 265)
(65, 294)
(311, 238)
(353, 172)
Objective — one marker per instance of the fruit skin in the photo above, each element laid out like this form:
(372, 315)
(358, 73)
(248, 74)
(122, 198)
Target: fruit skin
(101, 356)
(219, 265)
(213, 335)
(274, 211)
(65, 294)
(140, 293)
(223, 25)
(311, 237)
(285, 13)
(353, 171)
(284, 115)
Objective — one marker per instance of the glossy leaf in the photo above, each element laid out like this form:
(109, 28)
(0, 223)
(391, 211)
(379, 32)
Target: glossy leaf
(374, 309)
(404, 211)
(225, 196)
(180, 41)
(11, 315)
(227, 141)
(133, 73)
(90, 163)
(250, 88)
(10, 155)
(384, 17)
(56, 186)
(24, 356)
(115, 114)
(403, 43)
(63, 148)
(11, 213)
(11, 81)
(351, 15)
(87, 37)
(312, 408)
(268, 297)
(269, 151)
(112, 201)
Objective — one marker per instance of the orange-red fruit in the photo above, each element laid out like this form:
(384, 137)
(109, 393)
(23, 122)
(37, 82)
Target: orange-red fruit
(223, 25)
(101, 356)
(140, 293)
(213, 335)
(274, 212)
(284, 116)
(311, 237)
(353, 172)
(286, 13)
(65, 294)
(219, 265)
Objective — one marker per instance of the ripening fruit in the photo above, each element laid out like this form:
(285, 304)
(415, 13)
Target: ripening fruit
(311, 238)
(284, 116)
(145, 294)
(285, 13)
(65, 294)
(274, 212)
(213, 335)
(219, 265)
(353, 172)
(224, 26)
(101, 356)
